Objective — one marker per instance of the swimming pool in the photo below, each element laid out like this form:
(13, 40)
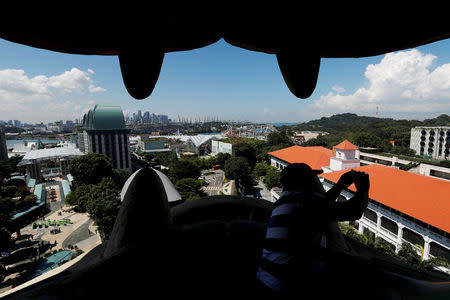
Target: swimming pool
(52, 262)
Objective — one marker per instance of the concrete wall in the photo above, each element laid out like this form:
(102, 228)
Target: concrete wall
(221, 147)
(337, 164)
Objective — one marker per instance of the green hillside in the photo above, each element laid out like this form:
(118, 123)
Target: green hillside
(367, 131)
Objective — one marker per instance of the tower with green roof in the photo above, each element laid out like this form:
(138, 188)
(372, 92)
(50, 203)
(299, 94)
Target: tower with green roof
(103, 131)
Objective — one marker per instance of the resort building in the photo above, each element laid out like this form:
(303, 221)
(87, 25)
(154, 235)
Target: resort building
(304, 136)
(316, 157)
(344, 157)
(199, 144)
(46, 163)
(403, 206)
(405, 164)
(152, 144)
(103, 131)
(432, 142)
(221, 147)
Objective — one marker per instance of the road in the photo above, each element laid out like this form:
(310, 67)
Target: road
(214, 181)
(265, 193)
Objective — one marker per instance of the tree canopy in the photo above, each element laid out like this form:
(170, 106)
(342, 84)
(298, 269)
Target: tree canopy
(90, 168)
(97, 188)
(272, 178)
(281, 137)
(183, 168)
(189, 188)
(101, 201)
(236, 167)
(246, 150)
(103, 204)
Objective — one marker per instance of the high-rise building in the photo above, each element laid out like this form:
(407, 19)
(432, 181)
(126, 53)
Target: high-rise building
(431, 141)
(146, 116)
(103, 131)
(164, 119)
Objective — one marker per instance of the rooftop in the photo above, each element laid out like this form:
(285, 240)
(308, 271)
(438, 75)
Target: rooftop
(316, 157)
(197, 140)
(346, 145)
(421, 197)
(51, 153)
(104, 117)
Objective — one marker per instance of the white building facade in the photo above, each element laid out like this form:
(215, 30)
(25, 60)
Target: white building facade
(396, 228)
(221, 147)
(278, 163)
(393, 226)
(433, 142)
(104, 131)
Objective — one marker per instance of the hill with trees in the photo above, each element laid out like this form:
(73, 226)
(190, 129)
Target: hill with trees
(366, 131)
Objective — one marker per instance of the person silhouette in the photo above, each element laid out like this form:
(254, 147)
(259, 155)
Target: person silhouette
(294, 250)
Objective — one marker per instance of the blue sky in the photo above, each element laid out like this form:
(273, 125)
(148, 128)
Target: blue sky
(226, 82)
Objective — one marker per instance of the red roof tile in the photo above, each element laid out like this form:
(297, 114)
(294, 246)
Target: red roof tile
(316, 157)
(421, 197)
(346, 145)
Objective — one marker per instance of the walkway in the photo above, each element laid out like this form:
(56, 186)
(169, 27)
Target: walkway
(265, 193)
(80, 234)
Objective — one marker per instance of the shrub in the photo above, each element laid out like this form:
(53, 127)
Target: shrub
(408, 254)
(434, 262)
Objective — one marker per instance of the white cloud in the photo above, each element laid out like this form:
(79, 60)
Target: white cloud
(39, 98)
(338, 89)
(403, 82)
(95, 89)
(267, 111)
(74, 79)
(15, 85)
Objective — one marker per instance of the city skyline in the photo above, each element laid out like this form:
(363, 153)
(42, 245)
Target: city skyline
(225, 81)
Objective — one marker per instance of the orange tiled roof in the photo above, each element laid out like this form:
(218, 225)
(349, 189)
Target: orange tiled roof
(316, 157)
(346, 145)
(421, 197)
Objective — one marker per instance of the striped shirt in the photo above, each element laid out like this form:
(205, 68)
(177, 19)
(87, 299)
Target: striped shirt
(294, 240)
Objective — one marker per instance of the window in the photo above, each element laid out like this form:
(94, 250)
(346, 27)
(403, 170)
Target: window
(439, 251)
(121, 142)
(412, 237)
(100, 143)
(127, 162)
(371, 215)
(114, 153)
(94, 148)
(389, 225)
